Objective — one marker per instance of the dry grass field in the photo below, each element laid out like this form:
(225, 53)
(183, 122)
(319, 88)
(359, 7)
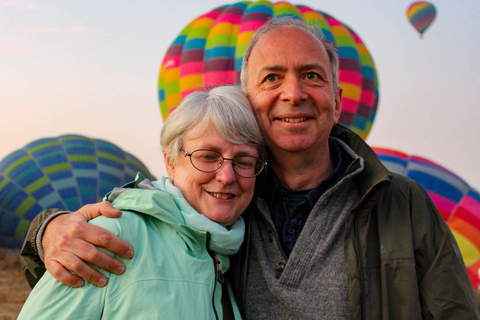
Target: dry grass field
(14, 288)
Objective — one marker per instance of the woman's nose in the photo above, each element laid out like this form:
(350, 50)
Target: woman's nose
(226, 174)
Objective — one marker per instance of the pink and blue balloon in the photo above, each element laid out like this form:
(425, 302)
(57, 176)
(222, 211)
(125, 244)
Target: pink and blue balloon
(457, 202)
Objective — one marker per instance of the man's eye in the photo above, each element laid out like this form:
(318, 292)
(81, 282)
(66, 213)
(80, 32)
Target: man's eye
(312, 76)
(271, 78)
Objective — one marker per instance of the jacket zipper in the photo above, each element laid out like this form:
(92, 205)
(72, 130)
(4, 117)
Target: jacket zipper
(218, 277)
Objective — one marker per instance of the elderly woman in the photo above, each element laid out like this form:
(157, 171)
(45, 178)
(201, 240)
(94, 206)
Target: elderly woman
(182, 227)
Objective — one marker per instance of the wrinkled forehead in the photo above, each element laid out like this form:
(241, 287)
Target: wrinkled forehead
(287, 46)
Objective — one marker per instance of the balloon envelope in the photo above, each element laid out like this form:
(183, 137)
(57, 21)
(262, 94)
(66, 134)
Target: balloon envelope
(457, 202)
(209, 52)
(66, 172)
(421, 15)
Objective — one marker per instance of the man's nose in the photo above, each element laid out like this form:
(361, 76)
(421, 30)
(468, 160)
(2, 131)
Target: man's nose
(293, 91)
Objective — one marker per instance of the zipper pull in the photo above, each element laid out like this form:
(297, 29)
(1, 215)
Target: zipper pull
(220, 277)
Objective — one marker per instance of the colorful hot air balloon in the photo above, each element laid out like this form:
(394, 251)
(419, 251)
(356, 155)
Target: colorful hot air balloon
(421, 15)
(65, 172)
(210, 49)
(458, 203)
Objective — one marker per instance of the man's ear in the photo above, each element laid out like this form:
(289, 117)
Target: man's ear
(338, 103)
(170, 167)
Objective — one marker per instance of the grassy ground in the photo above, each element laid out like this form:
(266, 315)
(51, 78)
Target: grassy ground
(14, 288)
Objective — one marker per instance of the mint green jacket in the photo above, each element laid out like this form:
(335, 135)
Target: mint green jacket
(173, 275)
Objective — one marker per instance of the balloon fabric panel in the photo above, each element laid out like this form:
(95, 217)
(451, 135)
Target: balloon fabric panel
(66, 172)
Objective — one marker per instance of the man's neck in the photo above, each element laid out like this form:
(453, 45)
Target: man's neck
(300, 171)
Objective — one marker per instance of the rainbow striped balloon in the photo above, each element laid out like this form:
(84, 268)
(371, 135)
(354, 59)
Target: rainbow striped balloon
(209, 51)
(421, 15)
(458, 203)
(65, 173)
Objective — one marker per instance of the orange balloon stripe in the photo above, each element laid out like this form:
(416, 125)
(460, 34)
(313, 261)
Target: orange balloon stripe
(467, 215)
(170, 77)
(351, 91)
(190, 82)
(466, 230)
(414, 8)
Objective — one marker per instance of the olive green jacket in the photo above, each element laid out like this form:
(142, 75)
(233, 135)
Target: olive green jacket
(402, 260)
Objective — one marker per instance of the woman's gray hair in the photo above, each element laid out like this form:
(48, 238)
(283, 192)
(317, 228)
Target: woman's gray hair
(277, 23)
(226, 107)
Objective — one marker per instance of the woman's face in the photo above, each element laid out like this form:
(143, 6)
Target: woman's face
(222, 195)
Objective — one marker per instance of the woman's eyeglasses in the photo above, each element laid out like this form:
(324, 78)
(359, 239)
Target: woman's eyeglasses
(210, 161)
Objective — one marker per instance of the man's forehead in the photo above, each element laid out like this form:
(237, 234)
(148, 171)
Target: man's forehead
(285, 38)
(280, 53)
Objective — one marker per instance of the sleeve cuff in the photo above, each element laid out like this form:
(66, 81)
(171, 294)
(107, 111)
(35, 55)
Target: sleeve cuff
(41, 230)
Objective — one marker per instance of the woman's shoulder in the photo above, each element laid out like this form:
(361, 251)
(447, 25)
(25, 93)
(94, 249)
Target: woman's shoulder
(126, 225)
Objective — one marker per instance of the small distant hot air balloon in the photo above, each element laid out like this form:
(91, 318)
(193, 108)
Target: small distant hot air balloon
(457, 202)
(66, 172)
(209, 52)
(421, 15)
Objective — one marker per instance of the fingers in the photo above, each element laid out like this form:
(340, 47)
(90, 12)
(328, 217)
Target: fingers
(62, 275)
(78, 267)
(69, 243)
(102, 238)
(94, 210)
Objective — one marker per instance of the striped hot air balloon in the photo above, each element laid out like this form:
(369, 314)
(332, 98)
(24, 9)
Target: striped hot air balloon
(66, 172)
(421, 15)
(458, 203)
(209, 52)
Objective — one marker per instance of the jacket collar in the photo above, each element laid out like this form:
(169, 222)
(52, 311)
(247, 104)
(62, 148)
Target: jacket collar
(375, 172)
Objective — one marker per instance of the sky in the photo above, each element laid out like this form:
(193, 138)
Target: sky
(91, 68)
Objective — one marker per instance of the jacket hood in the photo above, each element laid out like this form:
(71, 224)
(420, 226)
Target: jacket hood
(148, 198)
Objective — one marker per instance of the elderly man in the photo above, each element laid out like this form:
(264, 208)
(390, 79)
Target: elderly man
(332, 234)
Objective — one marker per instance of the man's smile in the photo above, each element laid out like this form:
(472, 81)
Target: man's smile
(294, 120)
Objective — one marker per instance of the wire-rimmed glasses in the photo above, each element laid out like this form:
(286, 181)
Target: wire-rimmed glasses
(210, 161)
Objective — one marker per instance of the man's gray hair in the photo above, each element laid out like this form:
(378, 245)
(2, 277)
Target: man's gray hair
(226, 108)
(277, 23)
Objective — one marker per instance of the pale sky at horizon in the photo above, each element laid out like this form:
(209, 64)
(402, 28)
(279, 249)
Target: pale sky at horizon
(91, 68)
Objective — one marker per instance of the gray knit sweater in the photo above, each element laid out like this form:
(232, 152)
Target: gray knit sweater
(311, 283)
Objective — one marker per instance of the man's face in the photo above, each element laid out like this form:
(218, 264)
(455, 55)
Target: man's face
(290, 86)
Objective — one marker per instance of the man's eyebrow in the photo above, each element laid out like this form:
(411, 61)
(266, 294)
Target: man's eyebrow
(302, 68)
(313, 66)
(274, 68)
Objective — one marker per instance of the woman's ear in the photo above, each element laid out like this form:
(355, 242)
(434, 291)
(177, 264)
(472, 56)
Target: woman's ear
(170, 167)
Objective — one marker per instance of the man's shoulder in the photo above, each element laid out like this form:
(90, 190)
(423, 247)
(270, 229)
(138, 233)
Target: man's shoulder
(401, 182)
